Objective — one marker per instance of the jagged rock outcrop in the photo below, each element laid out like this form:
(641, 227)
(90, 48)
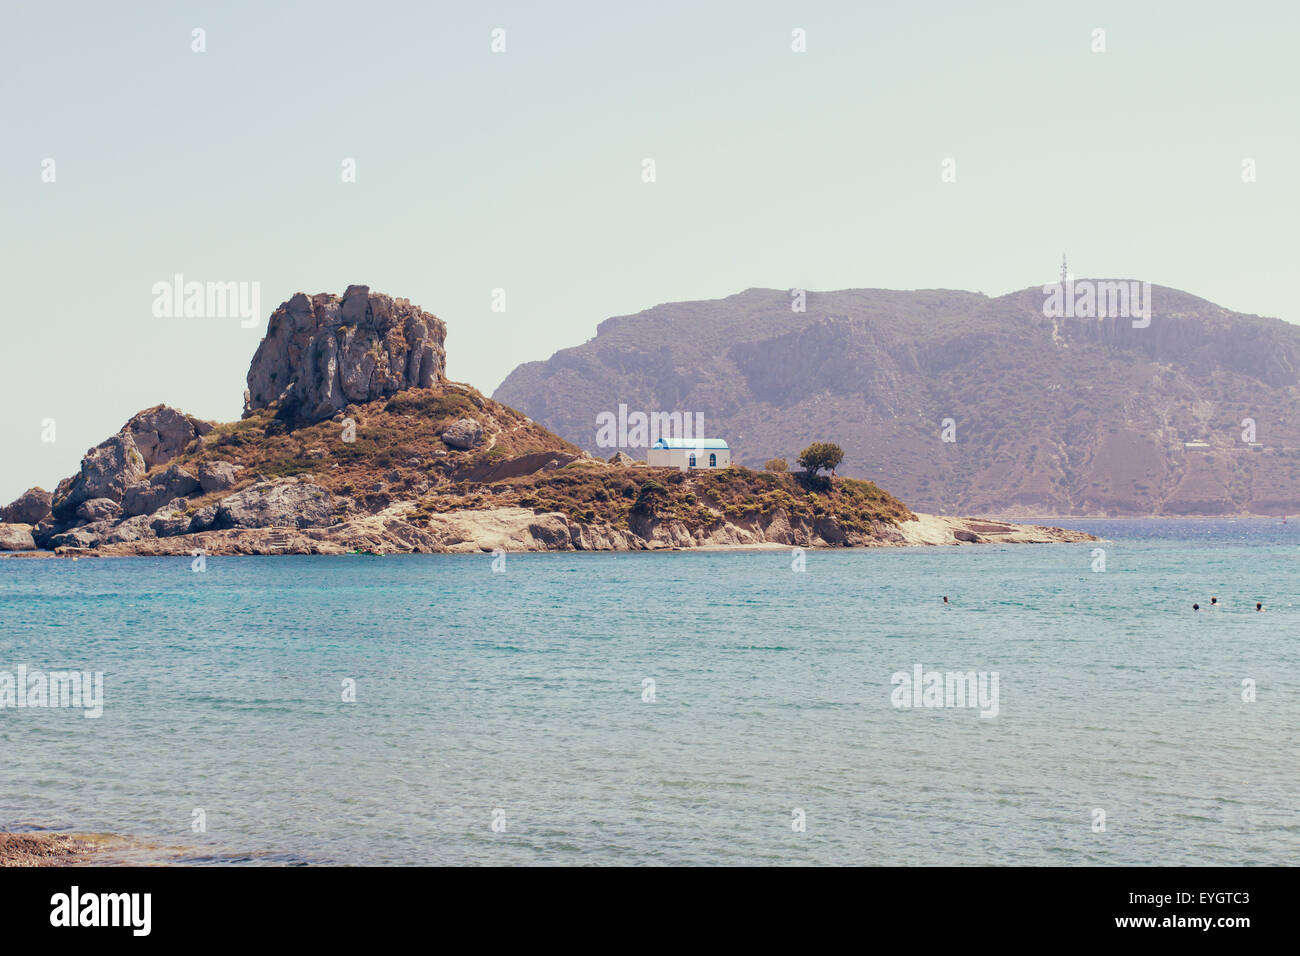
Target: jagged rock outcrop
(324, 351)
(106, 472)
(151, 437)
(28, 508)
(161, 433)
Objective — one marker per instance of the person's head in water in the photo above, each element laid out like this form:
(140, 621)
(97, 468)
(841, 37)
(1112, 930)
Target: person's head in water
(1214, 600)
(945, 599)
(1259, 606)
(1196, 607)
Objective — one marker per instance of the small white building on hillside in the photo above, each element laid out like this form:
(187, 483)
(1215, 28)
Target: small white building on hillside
(689, 453)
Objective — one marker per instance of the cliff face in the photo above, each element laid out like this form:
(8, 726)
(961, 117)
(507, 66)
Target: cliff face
(1050, 416)
(323, 351)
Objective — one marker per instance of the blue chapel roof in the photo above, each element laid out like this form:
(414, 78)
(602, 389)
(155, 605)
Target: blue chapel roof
(691, 444)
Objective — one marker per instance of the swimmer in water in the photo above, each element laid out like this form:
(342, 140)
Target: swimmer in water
(1259, 606)
(1196, 607)
(945, 599)
(1214, 603)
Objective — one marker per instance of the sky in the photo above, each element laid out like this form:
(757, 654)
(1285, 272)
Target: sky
(523, 170)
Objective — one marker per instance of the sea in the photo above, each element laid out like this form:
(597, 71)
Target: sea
(685, 708)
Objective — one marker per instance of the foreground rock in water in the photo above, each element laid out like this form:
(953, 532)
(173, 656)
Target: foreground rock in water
(16, 537)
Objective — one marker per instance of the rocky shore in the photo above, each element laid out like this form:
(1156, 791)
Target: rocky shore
(520, 529)
(46, 849)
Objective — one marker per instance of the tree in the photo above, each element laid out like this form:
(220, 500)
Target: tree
(775, 464)
(820, 456)
(648, 499)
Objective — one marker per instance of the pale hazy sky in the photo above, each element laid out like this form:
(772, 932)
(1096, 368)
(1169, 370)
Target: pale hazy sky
(522, 170)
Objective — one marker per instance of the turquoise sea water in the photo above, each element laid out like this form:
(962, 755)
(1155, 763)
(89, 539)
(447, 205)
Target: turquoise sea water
(523, 692)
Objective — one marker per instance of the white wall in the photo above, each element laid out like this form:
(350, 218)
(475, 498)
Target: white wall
(679, 457)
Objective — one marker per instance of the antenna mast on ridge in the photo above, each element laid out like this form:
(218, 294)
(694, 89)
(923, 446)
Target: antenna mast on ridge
(1063, 271)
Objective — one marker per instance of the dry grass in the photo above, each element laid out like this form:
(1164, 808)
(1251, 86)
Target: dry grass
(398, 455)
(594, 493)
(397, 444)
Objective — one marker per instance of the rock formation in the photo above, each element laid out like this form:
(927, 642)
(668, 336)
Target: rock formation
(151, 437)
(28, 508)
(323, 352)
(16, 537)
(284, 504)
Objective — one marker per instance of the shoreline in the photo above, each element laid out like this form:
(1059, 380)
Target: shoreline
(1231, 517)
(43, 848)
(518, 531)
(1037, 530)
(65, 848)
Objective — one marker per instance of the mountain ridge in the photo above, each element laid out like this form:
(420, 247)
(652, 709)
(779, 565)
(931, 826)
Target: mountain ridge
(1052, 416)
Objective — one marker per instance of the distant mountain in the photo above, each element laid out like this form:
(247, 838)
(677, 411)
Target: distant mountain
(1059, 416)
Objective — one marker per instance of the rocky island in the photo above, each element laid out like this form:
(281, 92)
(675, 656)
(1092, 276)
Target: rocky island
(353, 440)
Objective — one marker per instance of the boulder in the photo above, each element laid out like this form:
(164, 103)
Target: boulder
(16, 537)
(177, 481)
(46, 528)
(142, 498)
(161, 433)
(28, 508)
(132, 529)
(146, 497)
(464, 434)
(171, 519)
(204, 519)
(621, 458)
(322, 352)
(106, 471)
(87, 536)
(277, 504)
(97, 509)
